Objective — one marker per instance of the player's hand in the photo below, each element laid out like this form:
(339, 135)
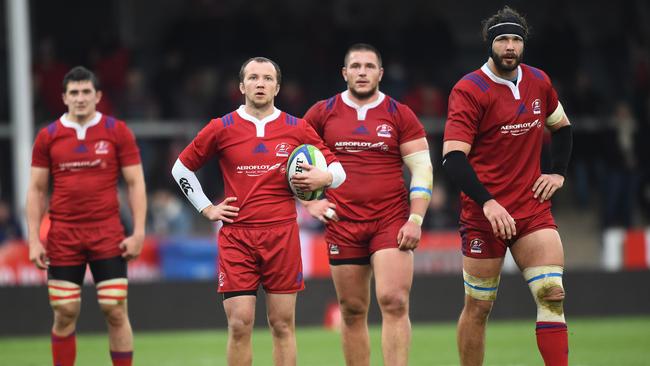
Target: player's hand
(223, 211)
(323, 210)
(132, 246)
(409, 235)
(503, 225)
(38, 254)
(311, 178)
(546, 185)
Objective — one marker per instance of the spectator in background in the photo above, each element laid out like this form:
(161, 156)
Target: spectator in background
(48, 73)
(9, 227)
(136, 101)
(620, 175)
(169, 216)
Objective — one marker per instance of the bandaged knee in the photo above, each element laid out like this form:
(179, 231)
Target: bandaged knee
(481, 288)
(112, 292)
(545, 281)
(63, 292)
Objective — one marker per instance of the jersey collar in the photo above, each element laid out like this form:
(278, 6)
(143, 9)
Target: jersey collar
(513, 88)
(259, 123)
(81, 130)
(363, 109)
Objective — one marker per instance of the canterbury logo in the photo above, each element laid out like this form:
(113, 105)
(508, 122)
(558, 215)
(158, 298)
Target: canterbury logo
(185, 186)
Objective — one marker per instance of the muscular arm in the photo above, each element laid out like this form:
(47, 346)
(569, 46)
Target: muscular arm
(36, 203)
(419, 202)
(137, 196)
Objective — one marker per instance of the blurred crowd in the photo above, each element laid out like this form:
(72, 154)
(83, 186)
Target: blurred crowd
(184, 67)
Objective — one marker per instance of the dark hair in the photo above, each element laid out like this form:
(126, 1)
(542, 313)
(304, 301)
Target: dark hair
(361, 47)
(80, 73)
(507, 14)
(278, 73)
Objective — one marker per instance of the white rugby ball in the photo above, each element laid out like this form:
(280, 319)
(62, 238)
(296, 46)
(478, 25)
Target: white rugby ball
(311, 155)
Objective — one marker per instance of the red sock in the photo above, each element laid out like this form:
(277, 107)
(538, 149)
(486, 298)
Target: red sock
(64, 349)
(553, 343)
(122, 358)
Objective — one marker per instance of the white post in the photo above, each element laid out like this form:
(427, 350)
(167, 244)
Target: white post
(20, 97)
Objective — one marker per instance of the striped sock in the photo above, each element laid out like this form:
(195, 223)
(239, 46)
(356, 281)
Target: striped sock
(553, 343)
(64, 349)
(122, 358)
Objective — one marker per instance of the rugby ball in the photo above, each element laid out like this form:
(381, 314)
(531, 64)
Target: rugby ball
(311, 155)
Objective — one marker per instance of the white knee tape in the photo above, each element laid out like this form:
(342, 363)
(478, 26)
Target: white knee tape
(541, 280)
(112, 292)
(481, 288)
(63, 292)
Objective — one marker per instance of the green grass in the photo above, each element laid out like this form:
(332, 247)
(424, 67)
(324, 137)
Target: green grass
(603, 341)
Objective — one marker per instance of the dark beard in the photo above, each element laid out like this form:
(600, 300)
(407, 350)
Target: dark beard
(502, 67)
(363, 96)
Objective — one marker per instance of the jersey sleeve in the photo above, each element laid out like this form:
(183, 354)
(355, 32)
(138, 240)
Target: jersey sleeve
(128, 152)
(312, 138)
(410, 127)
(551, 99)
(463, 116)
(202, 148)
(40, 150)
(314, 117)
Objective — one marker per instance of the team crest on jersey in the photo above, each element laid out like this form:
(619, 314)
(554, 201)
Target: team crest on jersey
(282, 149)
(102, 147)
(334, 249)
(537, 106)
(222, 278)
(384, 130)
(476, 246)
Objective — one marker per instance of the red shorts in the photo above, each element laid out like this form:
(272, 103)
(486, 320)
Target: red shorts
(478, 240)
(72, 244)
(268, 255)
(361, 239)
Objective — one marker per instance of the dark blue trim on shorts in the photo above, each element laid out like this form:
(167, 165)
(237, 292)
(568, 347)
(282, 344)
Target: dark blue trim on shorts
(544, 275)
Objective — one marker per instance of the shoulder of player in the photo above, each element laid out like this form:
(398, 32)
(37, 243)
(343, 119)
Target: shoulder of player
(535, 73)
(473, 82)
(395, 107)
(324, 105)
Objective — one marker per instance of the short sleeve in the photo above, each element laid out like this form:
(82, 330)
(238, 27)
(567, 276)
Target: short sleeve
(463, 116)
(314, 117)
(128, 152)
(410, 127)
(40, 150)
(202, 148)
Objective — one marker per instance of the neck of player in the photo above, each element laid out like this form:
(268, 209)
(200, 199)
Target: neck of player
(80, 119)
(507, 75)
(259, 112)
(361, 101)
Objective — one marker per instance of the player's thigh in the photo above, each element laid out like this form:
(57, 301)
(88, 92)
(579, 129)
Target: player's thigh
(110, 275)
(393, 270)
(538, 248)
(64, 288)
(483, 267)
(352, 284)
(240, 310)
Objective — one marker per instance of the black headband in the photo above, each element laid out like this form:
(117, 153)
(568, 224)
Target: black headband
(505, 28)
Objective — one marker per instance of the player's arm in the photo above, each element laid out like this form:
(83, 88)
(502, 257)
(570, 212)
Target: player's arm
(191, 187)
(415, 154)
(137, 196)
(458, 168)
(561, 145)
(35, 209)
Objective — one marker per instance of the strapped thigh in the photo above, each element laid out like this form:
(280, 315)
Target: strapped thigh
(111, 280)
(64, 283)
(481, 288)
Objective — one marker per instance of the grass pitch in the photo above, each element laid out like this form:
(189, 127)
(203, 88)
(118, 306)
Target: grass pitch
(602, 341)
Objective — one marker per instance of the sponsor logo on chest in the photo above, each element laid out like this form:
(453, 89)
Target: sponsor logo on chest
(358, 146)
(255, 170)
(518, 129)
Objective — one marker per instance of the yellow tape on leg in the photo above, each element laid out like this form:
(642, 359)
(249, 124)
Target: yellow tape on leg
(544, 281)
(481, 288)
(63, 292)
(112, 292)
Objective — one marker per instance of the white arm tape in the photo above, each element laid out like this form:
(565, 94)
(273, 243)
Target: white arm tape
(189, 183)
(338, 174)
(556, 116)
(419, 163)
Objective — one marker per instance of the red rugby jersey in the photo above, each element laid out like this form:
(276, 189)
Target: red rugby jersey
(366, 140)
(85, 162)
(504, 123)
(253, 156)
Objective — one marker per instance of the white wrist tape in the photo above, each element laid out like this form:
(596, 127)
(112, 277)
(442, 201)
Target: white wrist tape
(338, 174)
(556, 116)
(190, 185)
(419, 163)
(416, 219)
